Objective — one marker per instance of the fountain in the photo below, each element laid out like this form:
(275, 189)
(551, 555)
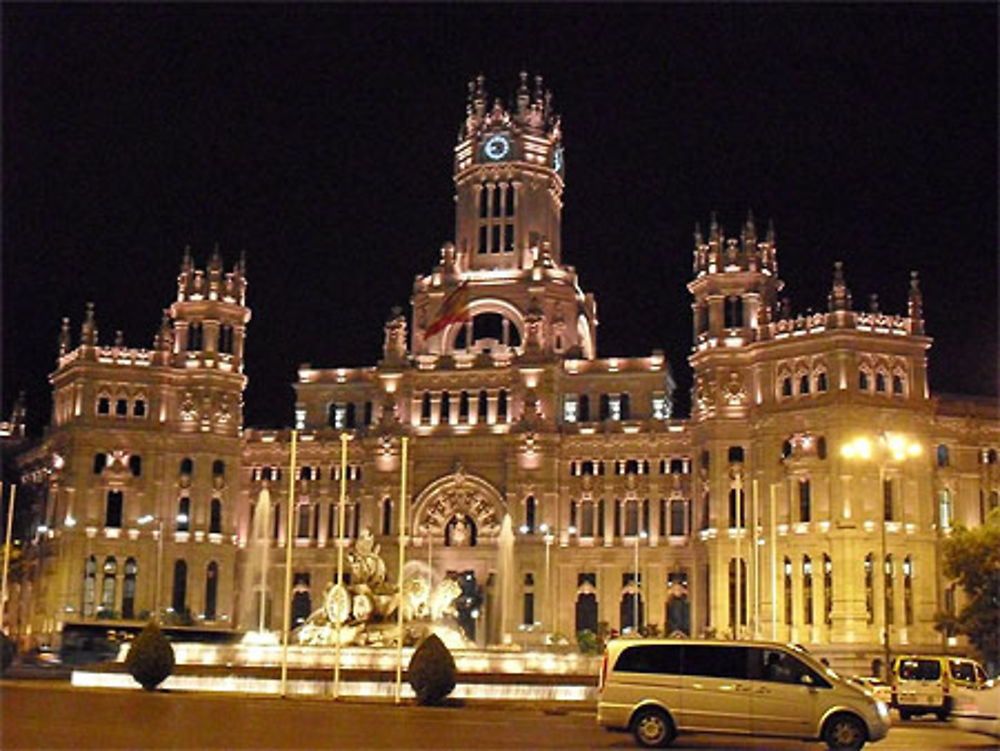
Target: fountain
(505, 578)
(255, 574)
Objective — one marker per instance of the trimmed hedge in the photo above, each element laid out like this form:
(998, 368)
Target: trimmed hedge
(431, 671)
(150, 659)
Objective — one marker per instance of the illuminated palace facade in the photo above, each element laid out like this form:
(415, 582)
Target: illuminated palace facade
(805, 499)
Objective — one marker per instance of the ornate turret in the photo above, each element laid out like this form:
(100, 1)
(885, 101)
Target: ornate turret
(394, 347)
(736, 283)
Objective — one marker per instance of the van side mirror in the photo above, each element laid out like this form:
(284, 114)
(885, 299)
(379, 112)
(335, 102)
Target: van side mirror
(806, 679)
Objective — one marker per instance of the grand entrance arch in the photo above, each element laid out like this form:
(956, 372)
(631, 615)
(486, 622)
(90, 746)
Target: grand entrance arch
(457, 520)
(459, 509)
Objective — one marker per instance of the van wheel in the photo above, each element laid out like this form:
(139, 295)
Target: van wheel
(844, 732)
(942, 714)
(652, 728)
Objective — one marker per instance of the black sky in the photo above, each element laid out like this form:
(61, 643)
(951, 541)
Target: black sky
(319, 139)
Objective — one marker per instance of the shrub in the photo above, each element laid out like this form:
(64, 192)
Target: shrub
(8, 649)
(150, 659)
(589, 642)
(431, 671)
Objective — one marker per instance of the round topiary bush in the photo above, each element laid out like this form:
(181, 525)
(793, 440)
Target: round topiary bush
(8, 649)
(431, 671)
(150, 659)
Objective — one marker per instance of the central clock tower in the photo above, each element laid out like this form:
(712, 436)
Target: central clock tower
(508, 180)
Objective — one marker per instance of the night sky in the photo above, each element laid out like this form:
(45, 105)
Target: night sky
(319, 140)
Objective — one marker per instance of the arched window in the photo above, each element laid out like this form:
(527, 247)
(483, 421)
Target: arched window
(386, 516)
(805, 500)
(463, 407)
(502, 406)
(302, 523)
(945, 513)
(113, 509)
(678, 517)
(211, 590)
(733, 312)
(733, 595)
(135, 465)
(864, 380)
(108, 588)
(218, 468)
(89, 586)
(880, 382)
(908, 590)
(139, 408)
(194, 339)
(821, 382)
(786, 386)
(942, 456)
(483, 411)
(530, 509)
(445, 407)
(178, 599)
(425, 407)
(528, 594)
(807, 590)
(183, 520)
(827, 590)
(788, 591)
(737, 505)
(804, 384)
(187, 466)
(890, 575)
(215, 517)
(121, 407)
(128, 591)
(897, 384)
(104, 405)
(870, 588)
(301, 599)
(100, 462)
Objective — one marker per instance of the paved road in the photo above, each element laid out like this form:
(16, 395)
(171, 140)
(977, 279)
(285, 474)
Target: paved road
(38, 715)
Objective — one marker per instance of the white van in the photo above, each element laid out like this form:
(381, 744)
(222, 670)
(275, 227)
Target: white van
(657, 688)
(925, 684)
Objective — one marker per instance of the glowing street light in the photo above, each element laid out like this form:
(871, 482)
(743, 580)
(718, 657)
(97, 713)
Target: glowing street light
(889, 448)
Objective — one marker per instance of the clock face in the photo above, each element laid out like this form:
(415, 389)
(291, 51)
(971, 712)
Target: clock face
(497, 147)
(557, 159)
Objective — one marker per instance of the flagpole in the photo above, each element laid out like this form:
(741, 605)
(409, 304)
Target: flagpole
(399, 581)
(289, 534)
(340, 555)
(6, 552)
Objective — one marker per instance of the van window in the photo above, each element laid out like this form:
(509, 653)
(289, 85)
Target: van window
(777, 666)
(920, 670)
(715, 662)
(650, 658)
(963, 671)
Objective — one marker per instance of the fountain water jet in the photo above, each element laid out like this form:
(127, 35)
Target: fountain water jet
(505, 578)
(255, 574)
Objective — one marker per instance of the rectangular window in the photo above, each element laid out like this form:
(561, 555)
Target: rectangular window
(529, 609)
(715, 662)
(495, 245)
(587, 519)
(614, 407)
(508, 238)
(481, 247)
(663, 659)
(887, 499)
(660, 411)
(570, 406)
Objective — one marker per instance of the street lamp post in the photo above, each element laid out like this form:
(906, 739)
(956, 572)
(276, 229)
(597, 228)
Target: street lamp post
(890, 447)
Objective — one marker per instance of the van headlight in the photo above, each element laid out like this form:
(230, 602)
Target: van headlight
(882, 709)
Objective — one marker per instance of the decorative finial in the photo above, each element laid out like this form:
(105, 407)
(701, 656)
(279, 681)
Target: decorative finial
(915, 305)
(839, 297)
(698, 239)
(873, 302)
(64, 337)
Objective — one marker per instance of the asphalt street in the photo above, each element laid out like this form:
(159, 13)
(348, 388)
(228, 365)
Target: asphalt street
(53, 715)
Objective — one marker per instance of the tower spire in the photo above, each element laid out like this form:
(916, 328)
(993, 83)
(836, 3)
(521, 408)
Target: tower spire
(840, 296)
(88, 330)
(915, 305)
(65, 343)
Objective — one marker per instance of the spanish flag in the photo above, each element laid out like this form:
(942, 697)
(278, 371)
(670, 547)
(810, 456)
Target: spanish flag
(454, 309)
